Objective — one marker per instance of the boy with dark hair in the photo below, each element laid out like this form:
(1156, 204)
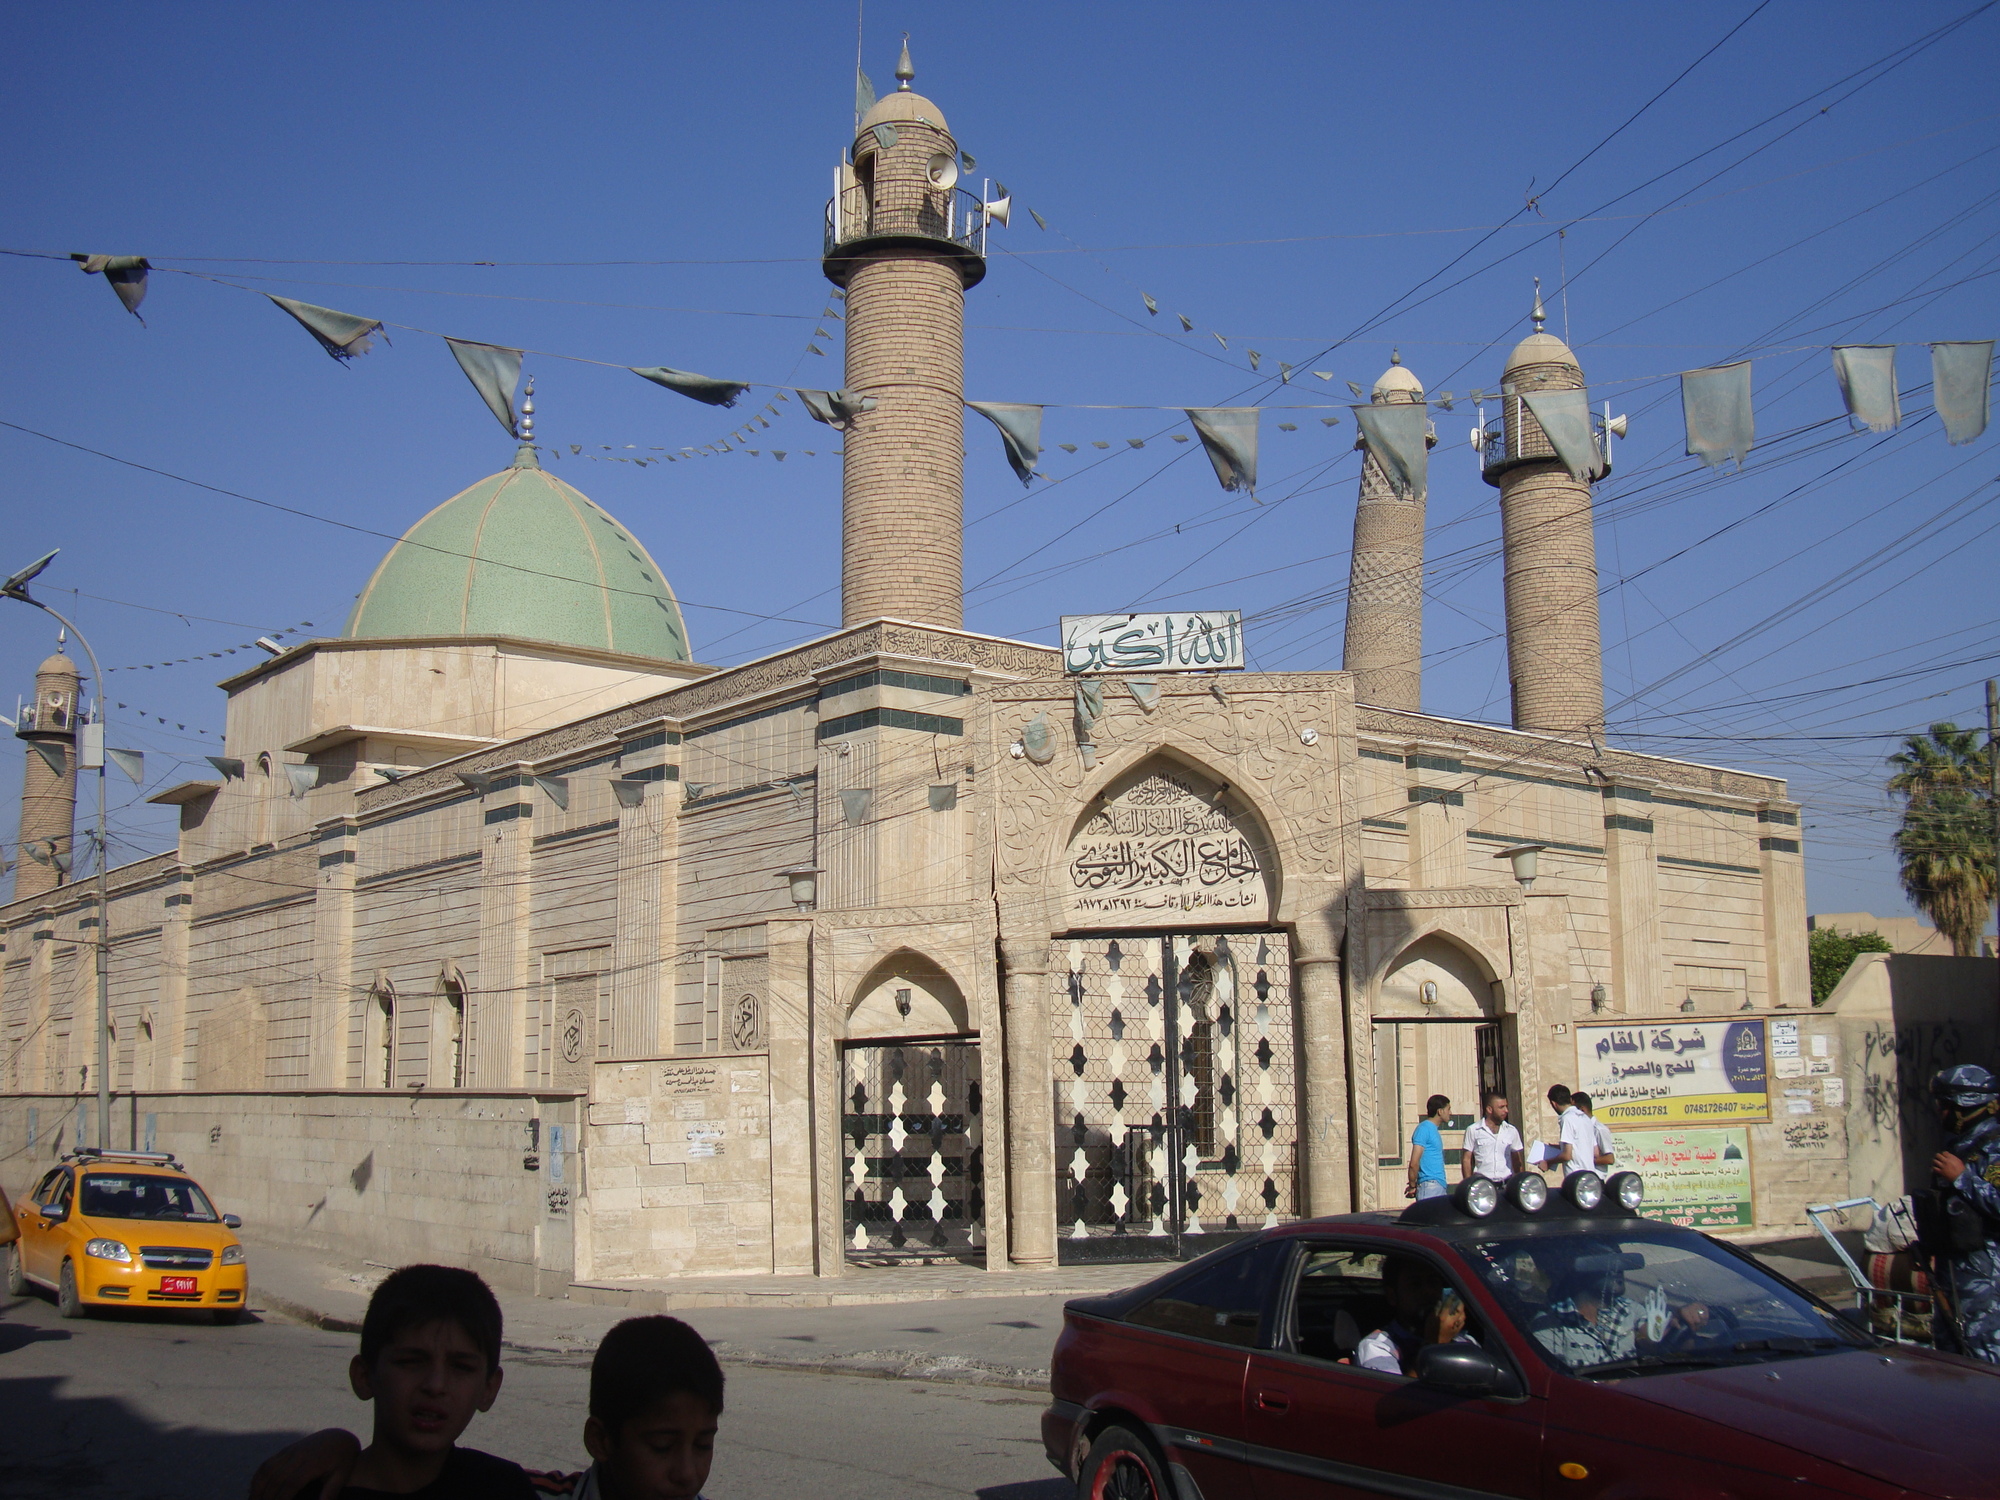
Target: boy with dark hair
(429, 1360)
(655, 1399)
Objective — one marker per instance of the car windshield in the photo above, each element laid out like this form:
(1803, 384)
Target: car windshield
(1641, 1300)
(144, 1195)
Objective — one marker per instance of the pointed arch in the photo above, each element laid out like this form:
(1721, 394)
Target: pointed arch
(1462, 975)
(906, 992)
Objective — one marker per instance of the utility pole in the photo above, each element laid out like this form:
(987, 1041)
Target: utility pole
(90, 743)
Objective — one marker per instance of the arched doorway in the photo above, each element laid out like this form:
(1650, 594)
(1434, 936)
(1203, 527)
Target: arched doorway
(1435, 1032)
(912, 1117)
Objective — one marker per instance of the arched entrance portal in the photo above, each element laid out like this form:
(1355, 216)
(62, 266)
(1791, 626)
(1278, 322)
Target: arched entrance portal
(1435, 1033)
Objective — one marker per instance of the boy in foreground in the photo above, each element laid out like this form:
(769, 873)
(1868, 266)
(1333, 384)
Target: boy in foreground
(655, 1400)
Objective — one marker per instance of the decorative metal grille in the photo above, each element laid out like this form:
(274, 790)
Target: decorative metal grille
(1176, 1113)
(911, 1137)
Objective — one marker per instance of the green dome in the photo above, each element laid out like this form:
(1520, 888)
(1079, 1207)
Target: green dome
(521, 553)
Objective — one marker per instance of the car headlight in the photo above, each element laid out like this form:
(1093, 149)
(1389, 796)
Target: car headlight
(1528, 1191)
(1478, 1196)
(232, 1255)
(1627, 1189)
(108, 1250)
(1584, 1189)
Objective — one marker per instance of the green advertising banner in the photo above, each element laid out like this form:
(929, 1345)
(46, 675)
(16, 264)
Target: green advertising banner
(1696, 1178)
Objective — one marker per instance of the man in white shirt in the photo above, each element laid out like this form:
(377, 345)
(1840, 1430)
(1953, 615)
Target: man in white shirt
(1492, 1145)
(1578, 1149)
(1607, 1148)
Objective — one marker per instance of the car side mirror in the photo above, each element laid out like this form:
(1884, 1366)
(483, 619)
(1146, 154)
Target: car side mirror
(230, 1221)
(1458, 1369)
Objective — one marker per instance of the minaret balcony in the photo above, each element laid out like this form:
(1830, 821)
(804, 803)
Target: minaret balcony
(1515, 440)
(867, 219)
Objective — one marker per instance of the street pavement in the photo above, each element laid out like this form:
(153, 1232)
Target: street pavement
(144, 1405)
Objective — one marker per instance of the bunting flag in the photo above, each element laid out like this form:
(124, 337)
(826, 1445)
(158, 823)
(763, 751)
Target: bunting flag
(55, 757)
(703, 388)
(1716, 404)
(494, 372)
(1089, 705)
(1961, 389)
(835, 408)
(557, 788)
(1867, 376)
(343, 335)
(1020, 427)
(1398, 437)
(1565, 420)
(131, 762)
(1038, 741)
(1145, 692)
(864, 94)
(227, 766)
(1229, 433)
(302, 778)
(1152, 307)
(854, 804)
(885, 136)
(126, 273)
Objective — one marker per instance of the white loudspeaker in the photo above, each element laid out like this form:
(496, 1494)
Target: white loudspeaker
(942, 170)
(1616, 425)
(1001, 208)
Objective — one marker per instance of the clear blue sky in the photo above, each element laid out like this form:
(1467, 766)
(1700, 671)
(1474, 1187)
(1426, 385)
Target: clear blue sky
(1280, 173)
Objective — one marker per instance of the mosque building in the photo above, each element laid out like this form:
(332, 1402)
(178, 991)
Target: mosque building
(508, 933)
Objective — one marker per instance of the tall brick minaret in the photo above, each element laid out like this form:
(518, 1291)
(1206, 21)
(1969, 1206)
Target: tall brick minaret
(1385, 580)
(1555, 655)
(48, 796)
(905, 241)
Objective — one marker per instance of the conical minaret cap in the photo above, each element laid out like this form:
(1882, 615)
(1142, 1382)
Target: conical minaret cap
(1398, 384)
(58, 665)
(903, 105)
(1540, 348)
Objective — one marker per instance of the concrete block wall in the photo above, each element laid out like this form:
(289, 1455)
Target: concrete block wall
(460, 1178)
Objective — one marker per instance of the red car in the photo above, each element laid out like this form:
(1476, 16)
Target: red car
(1502, 1341)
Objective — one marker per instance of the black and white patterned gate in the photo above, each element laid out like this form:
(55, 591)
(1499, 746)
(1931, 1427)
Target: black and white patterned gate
(1175, 1107)
(911, 1150)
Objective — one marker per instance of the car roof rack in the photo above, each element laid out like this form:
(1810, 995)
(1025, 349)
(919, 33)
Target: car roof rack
(100, 1153)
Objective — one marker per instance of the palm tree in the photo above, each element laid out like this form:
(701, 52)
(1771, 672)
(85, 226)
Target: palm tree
(1945, 843)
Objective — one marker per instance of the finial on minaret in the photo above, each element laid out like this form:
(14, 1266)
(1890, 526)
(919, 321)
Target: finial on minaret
(1540, 314)
(62, 641)
(1395, 356)
(904, 71)
(528, 412)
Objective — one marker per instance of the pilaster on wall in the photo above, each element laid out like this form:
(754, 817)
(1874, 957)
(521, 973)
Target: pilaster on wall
(642, 983)
(500, 1005)
(171, 998)
(1324, 1116)
(1787, 963)
(788, 1017)
(333, 954)
(1632, 886)
(1031, 1186)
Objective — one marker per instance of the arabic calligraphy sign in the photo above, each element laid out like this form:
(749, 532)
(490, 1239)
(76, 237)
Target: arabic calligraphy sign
(1674, 1072)
(1193, 641)
(1160, 849)
(1697, 1178)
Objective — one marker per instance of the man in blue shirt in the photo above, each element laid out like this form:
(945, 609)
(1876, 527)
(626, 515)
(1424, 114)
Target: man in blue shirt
(1427, 1151)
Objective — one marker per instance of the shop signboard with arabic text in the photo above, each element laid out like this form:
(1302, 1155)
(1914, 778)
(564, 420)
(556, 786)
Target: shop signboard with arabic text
(1187, 641)
(1697, 1178)
(1664, 1073)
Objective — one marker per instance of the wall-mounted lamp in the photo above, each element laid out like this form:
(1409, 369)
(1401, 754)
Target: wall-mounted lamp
(804, 886)
(1599, 995)
(1428, 992)
(1526, 859)
(1687, 1005)
(902, 1002)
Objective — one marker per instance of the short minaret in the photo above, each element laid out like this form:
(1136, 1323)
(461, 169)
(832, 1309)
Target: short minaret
(1385, 580)
(48, 796)
(1554, 652)
(905, 241)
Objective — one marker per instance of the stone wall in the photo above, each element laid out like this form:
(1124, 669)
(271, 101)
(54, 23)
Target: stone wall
(485, 1180)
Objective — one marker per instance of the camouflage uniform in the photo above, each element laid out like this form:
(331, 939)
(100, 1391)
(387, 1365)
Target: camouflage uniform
(1971, 1281)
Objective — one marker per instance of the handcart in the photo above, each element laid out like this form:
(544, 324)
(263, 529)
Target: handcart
(1900, 1313)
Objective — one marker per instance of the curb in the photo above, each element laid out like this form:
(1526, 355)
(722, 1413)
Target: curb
(298, 1312)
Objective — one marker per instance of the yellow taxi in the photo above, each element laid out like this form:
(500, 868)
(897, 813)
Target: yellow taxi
(127, 1229)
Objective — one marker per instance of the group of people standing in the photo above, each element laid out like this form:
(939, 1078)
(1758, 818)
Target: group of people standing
(1493, 1148)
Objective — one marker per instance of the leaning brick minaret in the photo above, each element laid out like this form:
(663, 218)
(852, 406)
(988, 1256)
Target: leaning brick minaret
(48, 796)
(1385, 580)
(1554, 652)
(905, 242)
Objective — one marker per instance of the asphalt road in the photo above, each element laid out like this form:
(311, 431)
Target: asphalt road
(144, 1405)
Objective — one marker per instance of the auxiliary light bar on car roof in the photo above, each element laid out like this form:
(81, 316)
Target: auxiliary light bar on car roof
(1527, 1193)
(99, 1153)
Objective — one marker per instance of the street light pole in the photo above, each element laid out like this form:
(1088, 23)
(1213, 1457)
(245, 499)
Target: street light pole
(16, 587)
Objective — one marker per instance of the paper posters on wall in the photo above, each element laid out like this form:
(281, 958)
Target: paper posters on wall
(1697, 1178)
(1675, 1072)
(1784, 1039)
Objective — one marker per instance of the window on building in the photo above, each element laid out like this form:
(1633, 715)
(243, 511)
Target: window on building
(452, 1039)
(379, 1069)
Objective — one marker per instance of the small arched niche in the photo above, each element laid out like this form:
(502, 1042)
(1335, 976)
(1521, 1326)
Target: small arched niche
(1167, 845)
(906, 995)
(1434, 979)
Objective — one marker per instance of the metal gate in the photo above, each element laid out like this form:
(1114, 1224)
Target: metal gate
(1175, 1108)
(911, 1150)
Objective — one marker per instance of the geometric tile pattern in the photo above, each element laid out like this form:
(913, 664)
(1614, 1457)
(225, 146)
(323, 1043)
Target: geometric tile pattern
(911, 1144)
(1175, 1105)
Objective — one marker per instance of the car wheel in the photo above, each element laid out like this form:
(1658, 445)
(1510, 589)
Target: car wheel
(69, 1303)
(1121, 1466)
(17, 1279)
(227, 1315)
